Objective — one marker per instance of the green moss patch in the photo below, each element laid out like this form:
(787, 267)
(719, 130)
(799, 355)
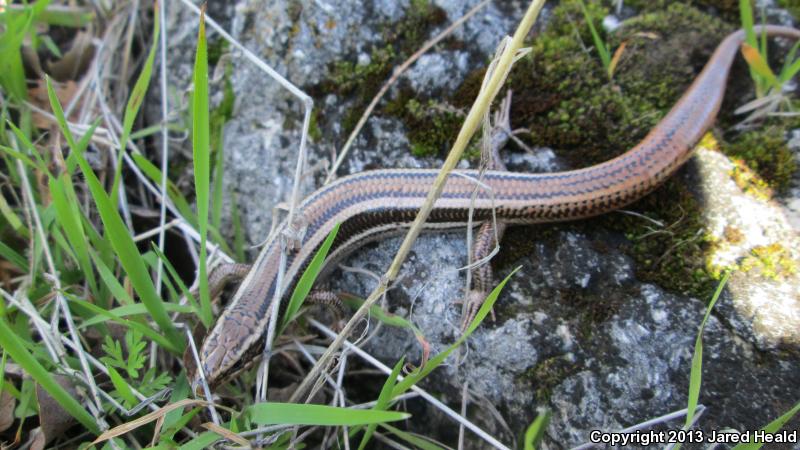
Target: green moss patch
(772, 261)
(764, 150)
(563, 95)
(363, 81)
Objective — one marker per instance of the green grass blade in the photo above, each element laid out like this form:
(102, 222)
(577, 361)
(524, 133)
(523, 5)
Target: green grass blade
(66, 17)
(131, 310)
(746, 16)
(772, 427)
(26, 143)
(112, 284)
(146, 331)
(758, 64)
(68, 217)
(535, 432)
(120, 237)
(201, 441)
(16, 349)
(602, 48)
(16, 26)
(135, 102)
(173, 419)
(174, 194)
(383, 401)
(18, 155)
(219, 170)
(420, 373)
(123, 388)
(377, 313)
(238, 233)
(177, 278)
(696, 374)
(791, 71)
(201, 160)
(271, 413)
(13, 257)
(13, 220)
(416, 441)
(307, 280)
(791, 66)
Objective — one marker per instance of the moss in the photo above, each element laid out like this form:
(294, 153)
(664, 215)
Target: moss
(793, 6)
(563, 96)
(365, 80)
(748, 181)
(548, 374)
(765, 151)
(772, 261)
(313, 127)
(728, 9)
(673, 254)
(431, 130)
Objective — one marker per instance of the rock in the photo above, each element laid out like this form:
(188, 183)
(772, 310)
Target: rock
(576, 332)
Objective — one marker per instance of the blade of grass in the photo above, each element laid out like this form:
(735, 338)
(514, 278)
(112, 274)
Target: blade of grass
(123, 388)
(535, 432)
(377, 313)
(17, 25)
(68, 217)
(790, 66)
(114, 286)
(383, 401)
(238, 233)
(131, 310)
(746, 16)
(417, 375)
(119, 236)
(271, 413)
(12, 219)
(696, 375)
(26, 143)
(135, 102)
(757, 63)
(174, 347)
(771, 428)
(177, 279)
(13, 257)
(200, 158)
(219, 166)
(307, 280)
(416, 441)
(15, 348)
(602, 49)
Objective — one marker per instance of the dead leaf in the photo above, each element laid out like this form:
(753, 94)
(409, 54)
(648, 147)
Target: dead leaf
(38, 96)
(612, 66)
(53, 419)
(75, 61)
(7, 404)
(37, 439)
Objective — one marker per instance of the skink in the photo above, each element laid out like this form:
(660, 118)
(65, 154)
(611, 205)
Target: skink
(369, 205)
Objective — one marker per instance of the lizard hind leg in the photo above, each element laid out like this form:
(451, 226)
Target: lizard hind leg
(488, 237)
(482, 275)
